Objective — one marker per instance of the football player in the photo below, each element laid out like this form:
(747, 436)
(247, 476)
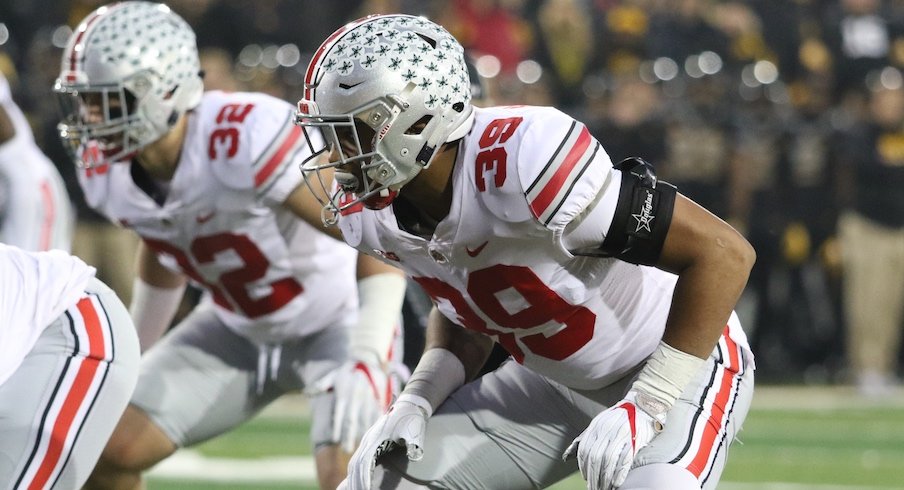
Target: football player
(68, 364)
(35, 211)
(612, 292)
(210, 182)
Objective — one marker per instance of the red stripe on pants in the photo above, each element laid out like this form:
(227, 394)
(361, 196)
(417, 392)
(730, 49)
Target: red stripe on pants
(717, 412)
(75, 397)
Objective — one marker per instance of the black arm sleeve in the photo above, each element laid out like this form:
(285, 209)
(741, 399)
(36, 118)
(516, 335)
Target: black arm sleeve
(642, 216)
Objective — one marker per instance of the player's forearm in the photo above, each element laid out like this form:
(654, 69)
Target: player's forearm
(152, 310)
(452, 356)
(713, 262)
(381, 291)
(701, 306)
(705, 295)
(156, 295)
(471, 348)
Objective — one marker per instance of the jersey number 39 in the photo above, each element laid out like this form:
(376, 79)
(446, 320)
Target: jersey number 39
(543, 305)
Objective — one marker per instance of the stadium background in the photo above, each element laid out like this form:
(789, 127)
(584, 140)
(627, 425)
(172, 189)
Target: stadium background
(743, 104)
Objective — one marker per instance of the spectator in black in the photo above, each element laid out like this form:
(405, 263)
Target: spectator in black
(871, 230)
(861, 35)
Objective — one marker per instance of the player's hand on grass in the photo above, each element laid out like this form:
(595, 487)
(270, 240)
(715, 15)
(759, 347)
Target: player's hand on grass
(403, 426)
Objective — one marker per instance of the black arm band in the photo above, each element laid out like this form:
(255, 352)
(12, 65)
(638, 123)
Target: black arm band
(642, 216)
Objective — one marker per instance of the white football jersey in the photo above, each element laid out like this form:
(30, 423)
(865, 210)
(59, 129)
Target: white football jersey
(222, 222)
(496, 263)
(35, 288)
(36, 211)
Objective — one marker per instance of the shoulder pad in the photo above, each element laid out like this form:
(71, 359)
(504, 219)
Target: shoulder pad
(562, 167)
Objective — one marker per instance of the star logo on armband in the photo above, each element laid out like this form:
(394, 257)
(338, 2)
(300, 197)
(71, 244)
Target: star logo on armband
(643, 222)
(645, 217)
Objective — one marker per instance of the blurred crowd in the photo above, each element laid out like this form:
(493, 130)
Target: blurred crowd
(783, 117)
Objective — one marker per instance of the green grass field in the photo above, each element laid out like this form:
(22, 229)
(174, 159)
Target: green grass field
(794, 439)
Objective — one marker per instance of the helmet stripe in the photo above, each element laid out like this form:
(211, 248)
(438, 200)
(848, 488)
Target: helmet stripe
(310, 75)
(82, 37)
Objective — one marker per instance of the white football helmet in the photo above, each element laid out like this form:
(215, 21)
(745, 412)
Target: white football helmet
(129, 70)
(386, 91)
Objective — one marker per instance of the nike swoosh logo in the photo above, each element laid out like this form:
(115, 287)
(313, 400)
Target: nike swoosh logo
(348, 86)
(204, 218)
(475, 252)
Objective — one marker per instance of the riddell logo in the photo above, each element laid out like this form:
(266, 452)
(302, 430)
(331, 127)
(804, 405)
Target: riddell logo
(476, 251)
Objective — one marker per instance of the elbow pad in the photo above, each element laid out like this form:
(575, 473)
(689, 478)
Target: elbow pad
(642, 216)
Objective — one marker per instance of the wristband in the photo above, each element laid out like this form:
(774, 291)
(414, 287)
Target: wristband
(417, 401)
(666, 373)
(152, 310)
(380, 299)
(437, 375)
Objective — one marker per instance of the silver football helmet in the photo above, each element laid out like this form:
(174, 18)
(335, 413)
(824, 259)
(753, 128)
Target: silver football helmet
(129, 70)
(386, 92)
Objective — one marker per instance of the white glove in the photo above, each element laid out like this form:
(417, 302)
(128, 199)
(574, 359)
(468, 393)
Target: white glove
(607, 447)
(363, 391)
(405, 424)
